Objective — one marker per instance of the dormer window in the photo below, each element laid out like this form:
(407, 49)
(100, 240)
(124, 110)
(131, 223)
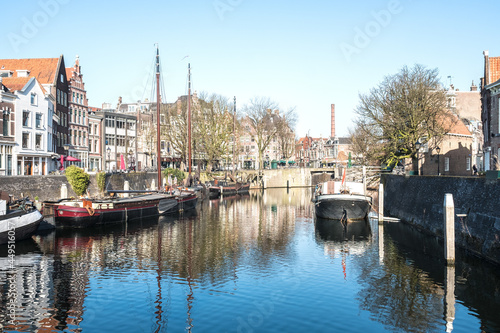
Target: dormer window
(23, 73)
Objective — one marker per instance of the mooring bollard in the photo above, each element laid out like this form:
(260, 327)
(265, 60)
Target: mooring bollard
(64, 191)
(380, 203)
(449, 229)
(126, 187)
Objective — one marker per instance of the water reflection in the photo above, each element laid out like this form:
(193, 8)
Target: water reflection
(246, 263)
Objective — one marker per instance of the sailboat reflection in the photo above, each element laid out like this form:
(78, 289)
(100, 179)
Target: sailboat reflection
(342, 238)
(338, 230)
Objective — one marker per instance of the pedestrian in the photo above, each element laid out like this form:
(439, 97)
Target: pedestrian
(474, 168)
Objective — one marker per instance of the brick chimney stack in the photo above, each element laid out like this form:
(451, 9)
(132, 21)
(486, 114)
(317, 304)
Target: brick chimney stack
(333, 122)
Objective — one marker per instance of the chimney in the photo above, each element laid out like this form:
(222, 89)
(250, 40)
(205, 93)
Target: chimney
(333, 122)
(473, 87)
(486, 68)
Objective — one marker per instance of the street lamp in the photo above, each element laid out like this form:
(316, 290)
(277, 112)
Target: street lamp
(131, 160)
(417, 145)
(438, 151)
(108, 150)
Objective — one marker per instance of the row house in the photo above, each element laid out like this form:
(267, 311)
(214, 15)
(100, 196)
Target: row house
(119, 131)
(317, 152)
(49, 83)
(96, 148)
(26, 127)
(78, 134)
(490, 111)
(144, 154)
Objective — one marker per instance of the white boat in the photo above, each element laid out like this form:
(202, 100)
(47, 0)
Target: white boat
(19, 223)
(341, 201)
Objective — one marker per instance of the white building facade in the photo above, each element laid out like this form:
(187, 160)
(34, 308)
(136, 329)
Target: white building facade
(33, 113)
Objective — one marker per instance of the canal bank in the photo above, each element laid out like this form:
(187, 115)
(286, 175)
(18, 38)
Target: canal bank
(418, 200)
(48, 188)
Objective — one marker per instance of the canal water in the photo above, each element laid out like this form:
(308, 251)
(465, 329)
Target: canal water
(255, 263)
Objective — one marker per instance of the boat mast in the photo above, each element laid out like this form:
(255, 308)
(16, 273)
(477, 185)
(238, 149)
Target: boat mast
(189, 121)
(158, 103)
(234, 133)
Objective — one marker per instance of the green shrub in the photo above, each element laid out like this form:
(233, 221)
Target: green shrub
(78, 179)
(101, 181)
(176, 174)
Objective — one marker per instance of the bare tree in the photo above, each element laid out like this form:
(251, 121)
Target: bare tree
(285, 135)
(214, 128)
(405, 108)
(266, 122)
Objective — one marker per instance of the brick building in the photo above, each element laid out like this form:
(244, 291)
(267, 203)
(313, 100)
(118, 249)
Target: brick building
(51, 75)
(78, 116)
(490, 113)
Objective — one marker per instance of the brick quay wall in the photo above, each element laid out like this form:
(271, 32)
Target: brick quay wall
(418, 200)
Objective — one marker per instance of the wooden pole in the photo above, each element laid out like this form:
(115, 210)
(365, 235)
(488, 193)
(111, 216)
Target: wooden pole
(189, 121)
(449, 229)
(158, 100)
(380, 203)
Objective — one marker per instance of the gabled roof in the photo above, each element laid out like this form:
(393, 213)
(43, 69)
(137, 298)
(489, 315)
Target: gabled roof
(494, 74)
(455, 125)
(69, 72)
(18, 83)
(15, 83)
(44, 69)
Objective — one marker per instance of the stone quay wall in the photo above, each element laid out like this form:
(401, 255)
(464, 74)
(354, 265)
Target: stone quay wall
(48, 188)
(418, 200)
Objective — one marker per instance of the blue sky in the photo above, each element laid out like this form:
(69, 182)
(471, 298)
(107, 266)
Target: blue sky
(301, 54)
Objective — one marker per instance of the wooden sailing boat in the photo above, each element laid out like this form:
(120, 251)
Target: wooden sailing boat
(86, 212)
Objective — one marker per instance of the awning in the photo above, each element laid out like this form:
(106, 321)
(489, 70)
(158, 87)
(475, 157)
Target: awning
(72, 159)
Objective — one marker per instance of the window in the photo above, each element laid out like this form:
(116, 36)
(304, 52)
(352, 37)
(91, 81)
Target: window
(62, 78)
(26, 140)
(38, 141)
(120, 140)
(65, 99)
(26, 118)
(58, 96)
(33, 99)
(38, 120)
(6, 115)
(446, 164)
(467, 167)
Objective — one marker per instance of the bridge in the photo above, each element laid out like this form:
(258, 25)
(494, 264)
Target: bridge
(306, 177)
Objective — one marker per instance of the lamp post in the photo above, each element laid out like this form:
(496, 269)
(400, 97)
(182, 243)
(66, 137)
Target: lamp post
(417, 145)
(438, 151)
(108, 151)
(131, 160)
